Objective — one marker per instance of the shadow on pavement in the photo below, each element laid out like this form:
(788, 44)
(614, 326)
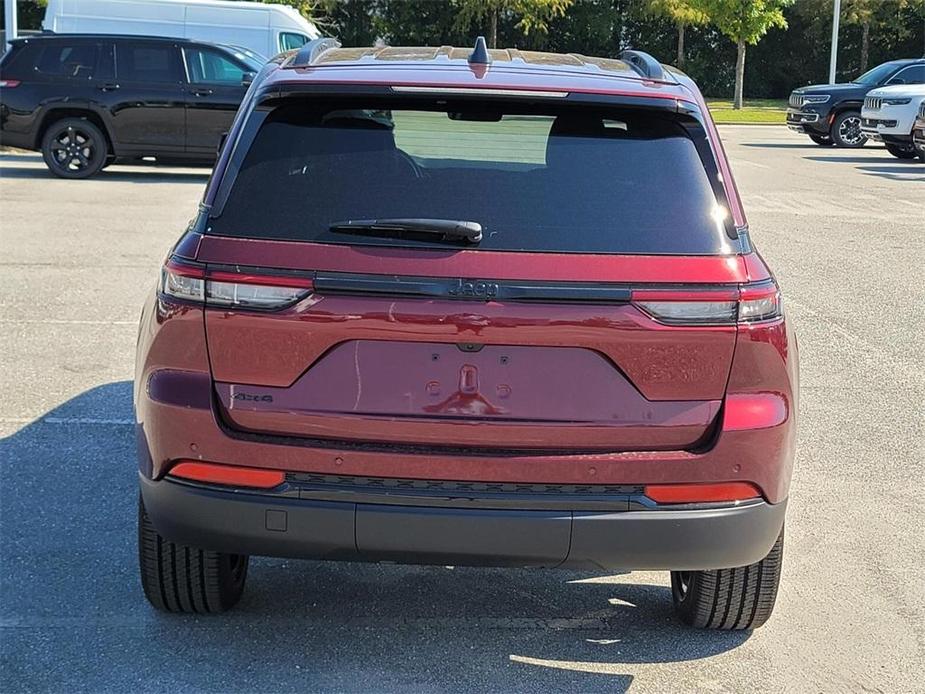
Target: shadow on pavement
(74, 618)
(854, 160)
(780, 145)
(141, 172)
(897, 172)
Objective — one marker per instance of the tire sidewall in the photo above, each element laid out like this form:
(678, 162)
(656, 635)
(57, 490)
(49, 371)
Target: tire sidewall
(98, 153)
(899, 153)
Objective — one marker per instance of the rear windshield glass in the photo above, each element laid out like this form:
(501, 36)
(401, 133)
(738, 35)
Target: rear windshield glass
(566, 180)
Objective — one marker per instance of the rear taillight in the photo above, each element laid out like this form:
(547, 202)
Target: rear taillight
(231, 289)
(9, 84)
(749, 304)
(760, 302)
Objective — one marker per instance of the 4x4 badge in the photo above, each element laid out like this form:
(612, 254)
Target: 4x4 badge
(252, 398)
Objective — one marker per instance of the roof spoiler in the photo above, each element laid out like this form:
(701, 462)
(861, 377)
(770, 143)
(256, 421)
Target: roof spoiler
(309, 53)
(644, 64)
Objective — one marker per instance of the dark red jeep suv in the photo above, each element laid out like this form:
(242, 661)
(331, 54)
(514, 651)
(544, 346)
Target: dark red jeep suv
(468, 307)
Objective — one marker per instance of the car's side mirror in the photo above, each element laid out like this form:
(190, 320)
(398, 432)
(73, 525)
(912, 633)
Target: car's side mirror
(247, 78)
(221, 142)
(896, 80)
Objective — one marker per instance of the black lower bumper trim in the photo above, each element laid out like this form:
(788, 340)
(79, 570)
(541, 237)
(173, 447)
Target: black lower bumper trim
(245, 523)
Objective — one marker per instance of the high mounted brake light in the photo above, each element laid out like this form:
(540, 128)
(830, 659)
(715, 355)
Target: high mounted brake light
(230, 289)
(749, 304)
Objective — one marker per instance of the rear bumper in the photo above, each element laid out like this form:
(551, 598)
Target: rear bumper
(245, 522)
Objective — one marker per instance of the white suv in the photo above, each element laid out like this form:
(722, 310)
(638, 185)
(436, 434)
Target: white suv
(888, 116)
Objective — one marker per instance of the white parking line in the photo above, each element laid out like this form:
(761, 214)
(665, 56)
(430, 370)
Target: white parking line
(65, 420)
(56, 321)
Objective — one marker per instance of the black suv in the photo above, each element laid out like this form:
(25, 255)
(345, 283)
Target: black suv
(85, 100)
(831, 113)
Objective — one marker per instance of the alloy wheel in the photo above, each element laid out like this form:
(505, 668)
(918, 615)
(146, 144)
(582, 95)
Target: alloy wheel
(849, 130)
(73, 149)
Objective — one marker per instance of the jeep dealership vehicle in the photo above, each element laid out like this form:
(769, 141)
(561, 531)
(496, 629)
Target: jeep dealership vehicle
(889, 115)
(831, 113)
(86, 100)
(460, 307)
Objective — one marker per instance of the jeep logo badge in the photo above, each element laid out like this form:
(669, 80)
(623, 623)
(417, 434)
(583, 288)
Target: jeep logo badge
(478, 289)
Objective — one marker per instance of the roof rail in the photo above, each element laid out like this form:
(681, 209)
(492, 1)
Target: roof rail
(644, 64)
(311, 51)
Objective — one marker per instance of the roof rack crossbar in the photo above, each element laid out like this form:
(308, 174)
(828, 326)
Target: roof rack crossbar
(311, 51)
(644, 64)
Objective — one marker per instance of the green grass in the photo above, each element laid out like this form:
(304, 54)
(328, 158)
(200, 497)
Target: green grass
(754, 111)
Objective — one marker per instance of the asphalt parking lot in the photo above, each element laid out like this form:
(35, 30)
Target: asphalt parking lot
(844, 231)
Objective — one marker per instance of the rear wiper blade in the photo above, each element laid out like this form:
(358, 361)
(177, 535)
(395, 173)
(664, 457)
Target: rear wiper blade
(445, 229)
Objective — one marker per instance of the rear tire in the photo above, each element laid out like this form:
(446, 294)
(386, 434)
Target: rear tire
(821, 140)
(846, 130)
(901, 152)
(740, 598)
(74, 148)
(179, 578)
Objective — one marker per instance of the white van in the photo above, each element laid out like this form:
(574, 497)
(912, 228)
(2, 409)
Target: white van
(264, 29)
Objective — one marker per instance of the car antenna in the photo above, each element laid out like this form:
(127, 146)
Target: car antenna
(480, 54)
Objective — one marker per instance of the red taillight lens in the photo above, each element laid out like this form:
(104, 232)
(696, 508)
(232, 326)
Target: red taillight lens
(748, 304)
(9, 84)
(230, 289)
(228, 474)
(701, 493)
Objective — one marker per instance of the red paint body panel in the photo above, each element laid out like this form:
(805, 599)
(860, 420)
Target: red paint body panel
(501, 396)
(765, 360)
(662, 363)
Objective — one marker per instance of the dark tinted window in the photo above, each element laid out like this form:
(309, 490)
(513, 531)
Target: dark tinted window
(208, 66)
(876, 75)
(20, 60)
(61, 59)
(148, 63)
(911, 75)
(566, 180)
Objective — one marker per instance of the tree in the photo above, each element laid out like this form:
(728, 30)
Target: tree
(861, 12)
(534, 14)
(745, 22)
(683, 13)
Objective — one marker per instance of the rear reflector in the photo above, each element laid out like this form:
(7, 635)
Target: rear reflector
(753, 411)
(229, 289)
(701, 493)
(227, 474)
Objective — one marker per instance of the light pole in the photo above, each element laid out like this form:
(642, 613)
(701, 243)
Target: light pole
(9, 20)
(834, 57)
